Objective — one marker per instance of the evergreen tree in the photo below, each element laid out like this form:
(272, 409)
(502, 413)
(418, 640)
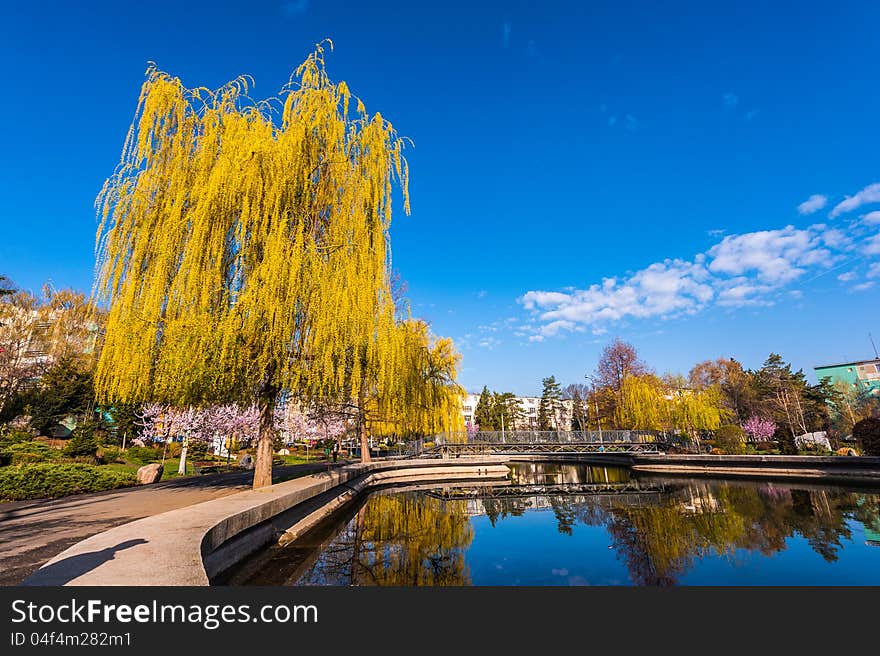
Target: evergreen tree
(484, 414)
(550, 405)
(785, 395)
(64, 390)
(507, 412)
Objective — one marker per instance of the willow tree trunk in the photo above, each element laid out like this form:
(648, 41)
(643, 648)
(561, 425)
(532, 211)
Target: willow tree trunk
(265, 440)
(362, 428)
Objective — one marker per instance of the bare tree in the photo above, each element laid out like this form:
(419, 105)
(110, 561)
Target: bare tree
(618, 360)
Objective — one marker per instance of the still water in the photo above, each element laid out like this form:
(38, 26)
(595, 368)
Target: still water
(580, 525)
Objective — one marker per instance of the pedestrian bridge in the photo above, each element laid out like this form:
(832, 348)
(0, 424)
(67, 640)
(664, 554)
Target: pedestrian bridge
(482, 443)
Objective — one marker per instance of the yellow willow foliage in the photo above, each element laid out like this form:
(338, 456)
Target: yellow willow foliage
(641, 403)
(402, 532)
(696, 410)
(420, 395)
(645, 403)
(240, 254)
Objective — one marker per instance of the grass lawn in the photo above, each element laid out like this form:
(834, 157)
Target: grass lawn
(172, 464)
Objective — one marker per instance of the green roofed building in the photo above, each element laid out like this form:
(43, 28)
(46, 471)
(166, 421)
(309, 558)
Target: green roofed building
(862, 376)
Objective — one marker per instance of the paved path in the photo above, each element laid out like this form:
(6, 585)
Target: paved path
(33, 532)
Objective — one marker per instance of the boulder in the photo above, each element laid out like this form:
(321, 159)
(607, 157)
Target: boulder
(150, 474)
(246, 461)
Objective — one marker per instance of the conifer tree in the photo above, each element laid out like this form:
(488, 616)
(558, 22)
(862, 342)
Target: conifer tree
(550, 406)
(484, 413)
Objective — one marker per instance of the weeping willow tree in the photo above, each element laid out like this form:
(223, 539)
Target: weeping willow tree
(243, 247)
(421, 396)
(647, 403)
(640, 403)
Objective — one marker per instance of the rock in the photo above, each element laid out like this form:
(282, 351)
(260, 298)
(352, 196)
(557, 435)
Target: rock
(150, 474)
(246, 461)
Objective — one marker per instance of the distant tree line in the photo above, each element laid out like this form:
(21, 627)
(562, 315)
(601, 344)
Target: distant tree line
(717, 398)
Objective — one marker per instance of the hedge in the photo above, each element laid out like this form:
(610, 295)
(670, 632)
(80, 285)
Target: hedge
(22, 453)
(49, 480)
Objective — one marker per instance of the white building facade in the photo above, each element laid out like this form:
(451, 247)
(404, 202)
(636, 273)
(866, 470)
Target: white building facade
(529, 412)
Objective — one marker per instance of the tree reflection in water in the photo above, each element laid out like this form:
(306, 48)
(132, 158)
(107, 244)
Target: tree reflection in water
(405, 538)
(411, 538)
(660, 543)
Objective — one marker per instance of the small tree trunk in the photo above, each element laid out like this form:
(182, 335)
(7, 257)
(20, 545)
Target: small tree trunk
(263, 464)
(365, 442)
(181, 468)
(362, 428)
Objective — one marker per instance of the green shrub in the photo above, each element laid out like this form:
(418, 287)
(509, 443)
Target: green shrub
(143, 455)
(730, 439)
(22, 453)
(51, 480)
(111, 454)
(82, 443)
(15, 436)
(867, 433)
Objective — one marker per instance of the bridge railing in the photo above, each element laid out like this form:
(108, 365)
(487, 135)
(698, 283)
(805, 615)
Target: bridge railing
(547, 437)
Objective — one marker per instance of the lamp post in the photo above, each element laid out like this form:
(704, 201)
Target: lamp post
(596, 404)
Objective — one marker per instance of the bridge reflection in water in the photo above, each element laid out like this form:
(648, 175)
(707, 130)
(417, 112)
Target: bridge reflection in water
(597, 525)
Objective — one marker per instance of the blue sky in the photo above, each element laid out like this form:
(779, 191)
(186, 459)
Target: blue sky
(700, 179)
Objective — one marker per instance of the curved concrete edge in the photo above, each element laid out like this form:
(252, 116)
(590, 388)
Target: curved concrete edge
(173, 548)
(857, 476)
(859, 470)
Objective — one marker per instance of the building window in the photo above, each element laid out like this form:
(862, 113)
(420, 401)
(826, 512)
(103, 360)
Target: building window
(468, 408)
(467, 418)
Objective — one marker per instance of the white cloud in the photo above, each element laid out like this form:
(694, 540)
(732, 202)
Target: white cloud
(870, 194)
(863, 286)
(813, 204)
(555, 327)
(874, 270)
(482, 293)
(489, 343)
(730, 100)
(751, 269)
(871, 218)
(536, 338)
(777, 256)
(669, 287)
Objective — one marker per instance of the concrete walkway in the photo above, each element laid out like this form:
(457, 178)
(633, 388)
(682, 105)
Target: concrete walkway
(210, 537)
(34, 532)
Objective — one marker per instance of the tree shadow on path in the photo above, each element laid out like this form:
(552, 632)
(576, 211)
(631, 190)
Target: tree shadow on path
(66, 570)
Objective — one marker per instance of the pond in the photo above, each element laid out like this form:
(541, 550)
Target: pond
(554, 524)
